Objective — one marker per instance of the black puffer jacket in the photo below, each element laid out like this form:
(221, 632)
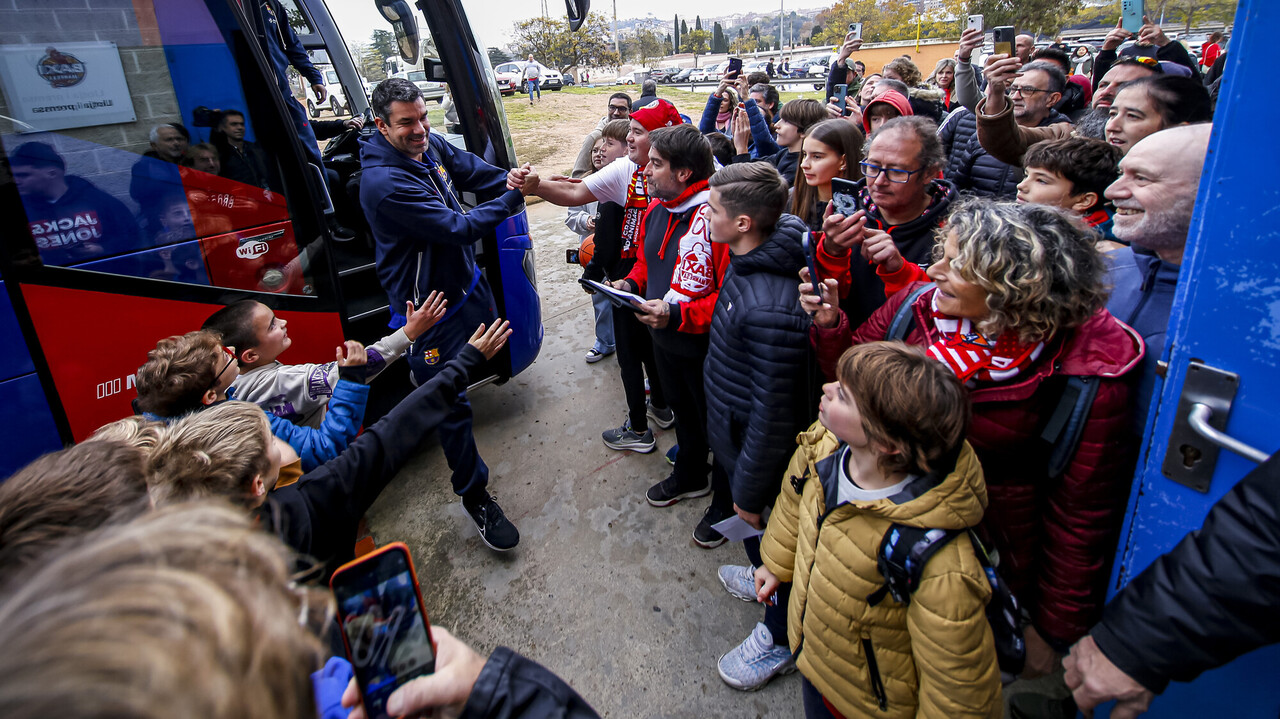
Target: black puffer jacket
(972, 168)
(756, 370)
(1209, 599)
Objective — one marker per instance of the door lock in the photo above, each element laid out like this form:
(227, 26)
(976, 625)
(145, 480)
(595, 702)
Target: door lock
(1198, 431)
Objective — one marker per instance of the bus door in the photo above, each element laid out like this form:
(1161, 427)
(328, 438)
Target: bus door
(1222, 358)
(153, 175)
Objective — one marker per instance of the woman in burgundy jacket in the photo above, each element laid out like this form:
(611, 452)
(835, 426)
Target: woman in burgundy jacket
(1018, 308)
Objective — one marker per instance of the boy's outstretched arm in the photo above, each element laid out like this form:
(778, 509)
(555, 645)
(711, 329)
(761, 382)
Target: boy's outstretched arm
(341, 421)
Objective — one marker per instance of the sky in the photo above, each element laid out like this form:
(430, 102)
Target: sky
(492, 20)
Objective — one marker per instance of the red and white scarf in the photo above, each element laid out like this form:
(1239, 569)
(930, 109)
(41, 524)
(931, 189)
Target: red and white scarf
(974, 357)
(633, 213)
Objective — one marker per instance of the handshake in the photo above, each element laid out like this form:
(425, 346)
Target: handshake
(523, 179)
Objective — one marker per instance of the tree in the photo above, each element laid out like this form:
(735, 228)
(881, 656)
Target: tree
(675, 31)
(718, 43)
(697, 22)
(497, 56)
(742, 45)
(684, 30)
(881, 21)
(383, 45)
(1038, 16)
(553, 44)
(368, 63)
(648, 43)
(697, 41)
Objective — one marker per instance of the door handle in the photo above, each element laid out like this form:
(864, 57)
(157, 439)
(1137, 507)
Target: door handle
(1199, 417)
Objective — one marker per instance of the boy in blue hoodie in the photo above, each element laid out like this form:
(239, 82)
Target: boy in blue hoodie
(424, 241)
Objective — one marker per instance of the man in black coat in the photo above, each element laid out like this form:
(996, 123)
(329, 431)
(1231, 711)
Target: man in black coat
(757, 395)
(1207, 601)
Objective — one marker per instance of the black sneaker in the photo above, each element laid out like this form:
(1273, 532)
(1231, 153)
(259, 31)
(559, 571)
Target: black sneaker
(496, 531)
(661, 416)
(668, 492)
(703, 534)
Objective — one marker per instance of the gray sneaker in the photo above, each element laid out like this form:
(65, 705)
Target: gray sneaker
(623, 438)
(664, 417)
(751, 664)
(739, 581)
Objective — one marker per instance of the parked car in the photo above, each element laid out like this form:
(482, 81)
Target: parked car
(431, 90)
(335, 100)
(683, 75)
(625, 80)
(507, 83)
(551, 79)
(663, 74)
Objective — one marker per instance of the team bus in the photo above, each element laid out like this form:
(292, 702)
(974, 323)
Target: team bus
(109, 246)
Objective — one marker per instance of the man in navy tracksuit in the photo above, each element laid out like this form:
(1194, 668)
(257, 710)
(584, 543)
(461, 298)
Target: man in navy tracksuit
(425, 241)
(282, 47)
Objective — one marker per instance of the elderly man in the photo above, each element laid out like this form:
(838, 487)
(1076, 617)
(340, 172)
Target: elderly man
(904, 201)
(1035, 90)
(1153, 198)
(619, 109)
(1007, 140)
(425, 240)
(156, 173)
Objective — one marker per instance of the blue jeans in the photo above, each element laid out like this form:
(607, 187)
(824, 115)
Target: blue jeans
(427, 357)
(533, 84)
(604, 323)
(775, 617)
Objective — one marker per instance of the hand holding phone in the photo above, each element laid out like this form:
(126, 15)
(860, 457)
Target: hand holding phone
(384, 625)
(844, 195)
(975, 22)
(841, 91)
(734, 68)
(855, 31)
(458, 667)
(1131, 12)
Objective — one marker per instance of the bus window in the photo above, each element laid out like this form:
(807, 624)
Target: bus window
(141, 149)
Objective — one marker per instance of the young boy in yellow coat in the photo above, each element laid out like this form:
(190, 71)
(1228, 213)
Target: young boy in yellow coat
(888, 449)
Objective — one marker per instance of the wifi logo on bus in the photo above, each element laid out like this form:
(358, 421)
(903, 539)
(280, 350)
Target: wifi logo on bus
(252, 250)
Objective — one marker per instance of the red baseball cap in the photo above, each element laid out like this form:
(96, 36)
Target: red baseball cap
(659, 113)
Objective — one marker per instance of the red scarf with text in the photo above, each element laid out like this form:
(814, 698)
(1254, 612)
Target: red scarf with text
(974, 357)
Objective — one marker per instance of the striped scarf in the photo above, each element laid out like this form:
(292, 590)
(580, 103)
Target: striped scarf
(972, 356)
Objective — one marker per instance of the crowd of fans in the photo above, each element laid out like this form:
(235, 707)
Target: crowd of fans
(958, 363)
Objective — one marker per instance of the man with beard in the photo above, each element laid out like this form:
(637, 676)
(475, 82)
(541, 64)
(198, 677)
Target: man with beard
(1007, 140)
(1153, 198)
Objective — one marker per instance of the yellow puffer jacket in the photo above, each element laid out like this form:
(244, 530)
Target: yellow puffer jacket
(932, 658)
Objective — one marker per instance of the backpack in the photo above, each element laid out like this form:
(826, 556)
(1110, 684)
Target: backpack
(904, 552)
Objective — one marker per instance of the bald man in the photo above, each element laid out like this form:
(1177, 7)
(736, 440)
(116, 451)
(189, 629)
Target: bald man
(1023, 46)
(1154, 216)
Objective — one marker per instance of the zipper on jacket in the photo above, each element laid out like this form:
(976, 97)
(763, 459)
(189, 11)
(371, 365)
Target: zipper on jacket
(873, 668)
(417, 276)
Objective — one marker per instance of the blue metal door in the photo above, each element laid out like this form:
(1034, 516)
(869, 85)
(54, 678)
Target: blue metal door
(1226, 317)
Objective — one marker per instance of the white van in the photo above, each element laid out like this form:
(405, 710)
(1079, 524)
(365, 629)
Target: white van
(335, 99)
(551, 79)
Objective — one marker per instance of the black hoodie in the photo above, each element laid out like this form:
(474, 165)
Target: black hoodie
(758, 394)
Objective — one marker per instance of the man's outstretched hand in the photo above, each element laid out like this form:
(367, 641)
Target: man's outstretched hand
(421, 320)
(523, 179)
(491, 339)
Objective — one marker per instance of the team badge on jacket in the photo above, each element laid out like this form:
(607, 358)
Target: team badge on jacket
(432, 355)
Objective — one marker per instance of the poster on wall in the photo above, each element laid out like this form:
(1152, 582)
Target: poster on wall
(70, 84)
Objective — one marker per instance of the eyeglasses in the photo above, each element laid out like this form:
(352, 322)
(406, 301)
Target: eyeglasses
(1025, 90)
(231, 357)
(892, 175)
(619, 108)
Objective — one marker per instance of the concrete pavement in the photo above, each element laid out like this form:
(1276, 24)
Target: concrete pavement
(608, 592)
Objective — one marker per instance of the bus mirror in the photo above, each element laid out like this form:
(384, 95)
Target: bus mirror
(434, 69)
(577, 10)
(397, 13)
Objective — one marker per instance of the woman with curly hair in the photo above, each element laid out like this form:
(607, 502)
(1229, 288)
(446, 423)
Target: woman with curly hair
(1017, 308)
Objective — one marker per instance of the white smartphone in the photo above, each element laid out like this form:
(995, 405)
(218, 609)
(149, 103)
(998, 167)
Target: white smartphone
(855, 31)
(975, 23)
(1131, 12)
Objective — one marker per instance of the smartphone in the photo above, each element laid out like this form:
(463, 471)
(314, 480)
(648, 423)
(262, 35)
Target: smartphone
(571, 257)
(841, 90)
(384, 624)
(1131, 12)
(811, 257)
(735, 66)
(855, 31)
(1004, 38)
(975, 22)
(844, 194)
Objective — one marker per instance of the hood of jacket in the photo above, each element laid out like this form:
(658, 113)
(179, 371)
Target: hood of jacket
(929, 93)
(782, 254)
(892, 98)
(952, 497)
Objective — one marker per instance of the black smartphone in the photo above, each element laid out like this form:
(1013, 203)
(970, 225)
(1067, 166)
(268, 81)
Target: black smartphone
(384, 624)
(844, 194)
(811, 257)
(841, 91)
(1003, 38)
(735, 66)
(571, 256)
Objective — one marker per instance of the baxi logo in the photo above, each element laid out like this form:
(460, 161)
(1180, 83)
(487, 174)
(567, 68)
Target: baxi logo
(60, 69)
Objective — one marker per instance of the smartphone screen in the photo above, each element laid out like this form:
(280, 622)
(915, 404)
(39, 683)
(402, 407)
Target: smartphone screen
(975, 23)
(384, 625)
(811, 257)
(1131, 12)
(844, 195)
(735, 66)
(1003, 39)
(571, 257)
(855, 31)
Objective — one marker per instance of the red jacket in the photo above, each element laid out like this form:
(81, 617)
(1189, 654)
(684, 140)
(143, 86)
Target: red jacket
(1055, 537)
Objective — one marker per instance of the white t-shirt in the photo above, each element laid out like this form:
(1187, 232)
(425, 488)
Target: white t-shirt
(847, 491)
(610, 183)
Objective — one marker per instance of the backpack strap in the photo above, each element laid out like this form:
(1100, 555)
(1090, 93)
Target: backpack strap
(904, 316)
(1066, 424)
(904, 552)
